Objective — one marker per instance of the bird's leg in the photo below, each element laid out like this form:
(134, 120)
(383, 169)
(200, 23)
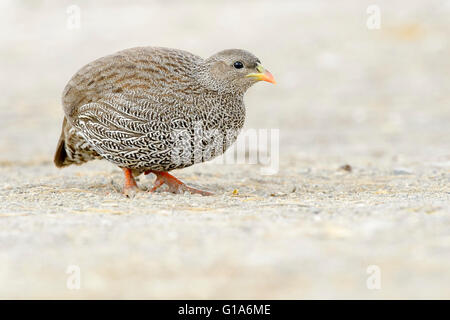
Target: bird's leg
(130, 187)
(175, 185)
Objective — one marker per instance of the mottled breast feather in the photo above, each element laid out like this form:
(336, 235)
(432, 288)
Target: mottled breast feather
(142, 108)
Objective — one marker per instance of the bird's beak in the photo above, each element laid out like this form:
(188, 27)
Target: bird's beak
(262, 75)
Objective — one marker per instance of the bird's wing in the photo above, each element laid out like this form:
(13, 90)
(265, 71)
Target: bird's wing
(133, 132)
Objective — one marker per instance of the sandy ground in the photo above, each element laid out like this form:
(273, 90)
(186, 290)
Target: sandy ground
(376, 100)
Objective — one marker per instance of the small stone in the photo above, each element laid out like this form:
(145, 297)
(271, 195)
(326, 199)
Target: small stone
(346, 167)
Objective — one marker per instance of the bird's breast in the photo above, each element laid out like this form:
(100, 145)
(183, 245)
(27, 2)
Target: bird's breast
(218, 125)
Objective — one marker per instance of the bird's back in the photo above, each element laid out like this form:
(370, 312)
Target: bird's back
(136, 70)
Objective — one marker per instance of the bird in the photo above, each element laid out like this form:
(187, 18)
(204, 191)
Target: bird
(156, 109)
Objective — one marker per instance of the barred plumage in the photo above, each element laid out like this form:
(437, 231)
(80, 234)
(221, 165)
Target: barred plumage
(155, 109)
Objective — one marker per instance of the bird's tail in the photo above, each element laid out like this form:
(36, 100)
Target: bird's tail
(72, 148)
(61, 154)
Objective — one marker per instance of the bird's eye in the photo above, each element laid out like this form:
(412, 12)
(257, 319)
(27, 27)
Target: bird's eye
(238, 65)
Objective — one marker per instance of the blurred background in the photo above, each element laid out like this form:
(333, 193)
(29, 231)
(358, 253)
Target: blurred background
(376, 98)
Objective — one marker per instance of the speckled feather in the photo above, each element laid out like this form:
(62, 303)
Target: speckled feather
(126, 107)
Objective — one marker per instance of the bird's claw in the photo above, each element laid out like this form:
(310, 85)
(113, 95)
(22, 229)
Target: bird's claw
(174, 185)
(130, 191)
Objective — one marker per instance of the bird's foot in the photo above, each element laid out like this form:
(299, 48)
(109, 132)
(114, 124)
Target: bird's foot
(130, 187)
(175, 185)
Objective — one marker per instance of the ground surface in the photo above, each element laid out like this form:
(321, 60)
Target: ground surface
(377, 100)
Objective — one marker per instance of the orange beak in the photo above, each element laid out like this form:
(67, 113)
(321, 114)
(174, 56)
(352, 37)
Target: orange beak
(262, 75)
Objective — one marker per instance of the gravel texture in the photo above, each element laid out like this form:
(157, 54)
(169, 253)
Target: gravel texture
(364, 158)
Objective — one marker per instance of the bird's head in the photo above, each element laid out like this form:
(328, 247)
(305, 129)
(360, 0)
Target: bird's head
(236, 70)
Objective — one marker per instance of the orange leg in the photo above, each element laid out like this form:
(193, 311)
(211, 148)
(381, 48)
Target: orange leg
(175, 185)
(130, 187)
